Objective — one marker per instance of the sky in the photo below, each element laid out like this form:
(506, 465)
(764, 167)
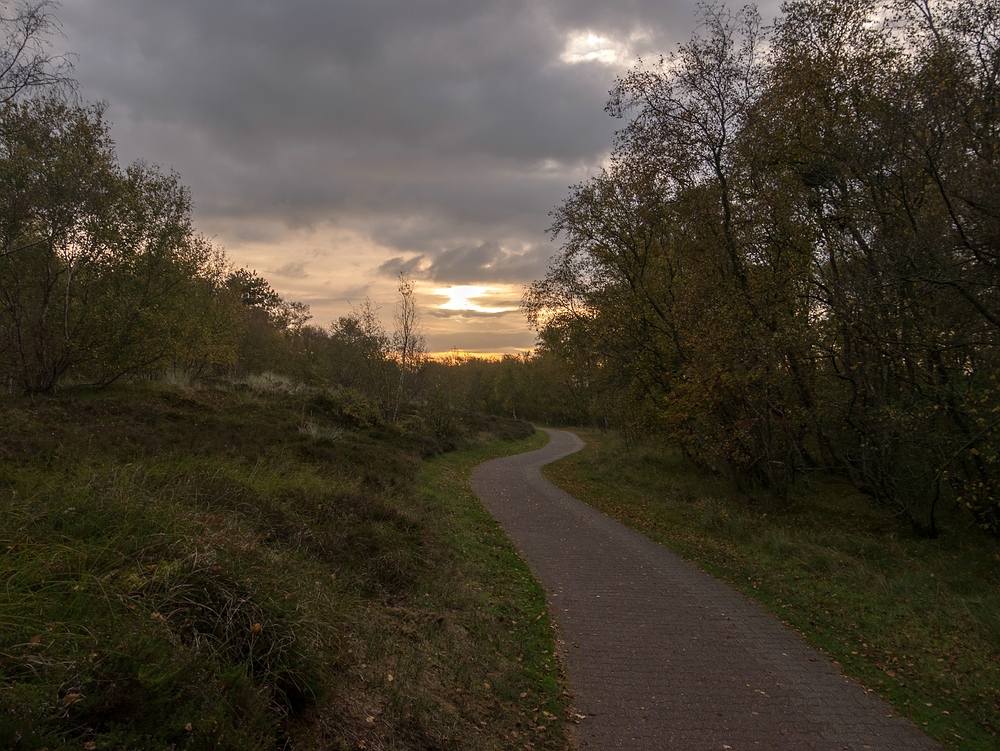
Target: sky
(330, 145)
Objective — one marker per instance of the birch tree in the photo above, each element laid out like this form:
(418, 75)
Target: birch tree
(407, 343)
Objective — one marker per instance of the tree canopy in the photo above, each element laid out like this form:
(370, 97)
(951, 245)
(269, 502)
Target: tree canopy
(790, 262)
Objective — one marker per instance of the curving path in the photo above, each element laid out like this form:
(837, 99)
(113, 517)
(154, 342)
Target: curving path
(661, 656)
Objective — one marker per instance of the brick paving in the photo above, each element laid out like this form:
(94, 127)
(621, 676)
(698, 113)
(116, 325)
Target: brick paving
(661, 656)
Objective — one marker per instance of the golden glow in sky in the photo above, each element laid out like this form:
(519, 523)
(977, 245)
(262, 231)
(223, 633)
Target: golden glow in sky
(464, 297)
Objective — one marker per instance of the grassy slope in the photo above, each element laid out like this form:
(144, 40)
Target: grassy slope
(917, 620)
(208, 570)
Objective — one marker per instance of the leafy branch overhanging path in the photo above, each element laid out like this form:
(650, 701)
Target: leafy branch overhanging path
(661, 656)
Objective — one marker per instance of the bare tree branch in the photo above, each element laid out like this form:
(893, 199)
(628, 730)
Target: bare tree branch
(27, 62)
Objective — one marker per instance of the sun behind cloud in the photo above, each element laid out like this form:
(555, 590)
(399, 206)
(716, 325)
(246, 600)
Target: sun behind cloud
(588, 46)
(464, 297)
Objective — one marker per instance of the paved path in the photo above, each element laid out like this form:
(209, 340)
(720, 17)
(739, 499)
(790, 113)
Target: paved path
(661, 656)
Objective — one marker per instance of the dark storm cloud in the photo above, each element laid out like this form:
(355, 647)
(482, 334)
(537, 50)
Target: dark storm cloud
(489, 262)
(432, 75)
(307, 88)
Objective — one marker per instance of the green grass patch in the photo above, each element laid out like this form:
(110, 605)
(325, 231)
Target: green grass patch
(916, 620)
(208, 569)
(475, 642)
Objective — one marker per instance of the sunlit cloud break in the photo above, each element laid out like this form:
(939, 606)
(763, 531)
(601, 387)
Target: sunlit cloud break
(463, 297)
(586, 46)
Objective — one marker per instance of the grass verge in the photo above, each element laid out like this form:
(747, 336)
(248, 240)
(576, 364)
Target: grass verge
(480, 643)
(210, 569)
(916, 620)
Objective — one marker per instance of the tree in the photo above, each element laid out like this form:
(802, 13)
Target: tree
(885, 121)
(407, 343)
(26, 62)
(791, 260)
(270, 328)
(101, 272)
(665, 275)
(361, 355)
(60, 179)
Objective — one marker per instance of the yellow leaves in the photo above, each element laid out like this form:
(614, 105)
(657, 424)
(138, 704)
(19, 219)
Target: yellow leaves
(256, 628)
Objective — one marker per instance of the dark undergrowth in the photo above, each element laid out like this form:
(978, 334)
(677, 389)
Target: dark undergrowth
(258, 569)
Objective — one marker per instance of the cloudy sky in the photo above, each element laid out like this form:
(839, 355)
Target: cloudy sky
(331, 144)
